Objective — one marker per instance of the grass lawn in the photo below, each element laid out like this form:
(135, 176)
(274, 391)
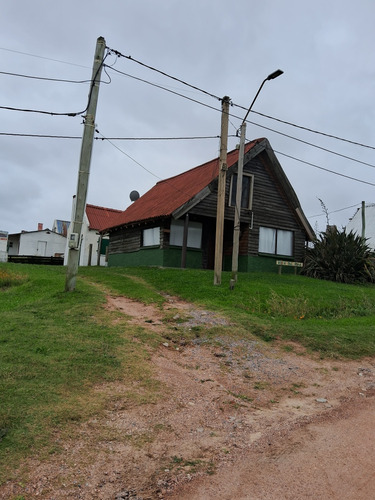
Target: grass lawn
(55, 346)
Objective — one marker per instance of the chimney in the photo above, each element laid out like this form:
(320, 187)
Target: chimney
(40, 226)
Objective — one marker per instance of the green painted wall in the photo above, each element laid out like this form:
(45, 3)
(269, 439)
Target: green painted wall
(170, 257)
(254, 263)
(144, 257)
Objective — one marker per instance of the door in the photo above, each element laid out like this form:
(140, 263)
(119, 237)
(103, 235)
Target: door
(41, 248)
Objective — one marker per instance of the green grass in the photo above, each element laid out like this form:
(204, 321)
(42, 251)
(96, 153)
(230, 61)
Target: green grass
(332, 319)
(56, 346)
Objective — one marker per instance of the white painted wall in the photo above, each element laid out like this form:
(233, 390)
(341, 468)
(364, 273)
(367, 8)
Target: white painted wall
(88, 237)
(355, 224)
(44, 243)
(3, 246)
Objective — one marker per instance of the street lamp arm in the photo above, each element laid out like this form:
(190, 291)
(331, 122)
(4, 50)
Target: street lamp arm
(273, 75)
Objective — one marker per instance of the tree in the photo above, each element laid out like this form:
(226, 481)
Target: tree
(340, 256)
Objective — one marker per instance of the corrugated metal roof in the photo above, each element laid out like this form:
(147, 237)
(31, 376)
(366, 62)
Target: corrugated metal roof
(168, 195)
(99, 217)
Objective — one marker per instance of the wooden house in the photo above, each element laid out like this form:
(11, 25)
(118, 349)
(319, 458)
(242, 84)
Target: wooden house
(178, 216)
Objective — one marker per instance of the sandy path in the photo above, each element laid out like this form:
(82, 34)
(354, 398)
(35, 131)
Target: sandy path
(239, 419)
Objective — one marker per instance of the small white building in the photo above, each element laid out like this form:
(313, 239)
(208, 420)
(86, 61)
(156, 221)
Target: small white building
(41, 243)
(3, 246)
(93, 244)
(356, 222)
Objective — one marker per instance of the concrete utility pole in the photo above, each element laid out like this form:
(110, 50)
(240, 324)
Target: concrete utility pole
(363, 219)
(237, 209)
(237, 213)
(84, 169)
(223, 167)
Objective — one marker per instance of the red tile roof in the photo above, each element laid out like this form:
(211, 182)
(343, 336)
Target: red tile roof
(99, 217)
(168, 195)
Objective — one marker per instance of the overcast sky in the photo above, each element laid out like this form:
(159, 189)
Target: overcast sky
(324, 47)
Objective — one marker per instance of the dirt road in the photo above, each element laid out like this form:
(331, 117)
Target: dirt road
(238, 420)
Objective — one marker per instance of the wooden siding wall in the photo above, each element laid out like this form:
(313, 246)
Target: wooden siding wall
(208, 206)
(127, 240)
(270, 209)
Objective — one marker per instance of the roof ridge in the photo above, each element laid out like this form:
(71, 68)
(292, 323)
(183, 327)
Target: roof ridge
(104, 208)
(217, 158)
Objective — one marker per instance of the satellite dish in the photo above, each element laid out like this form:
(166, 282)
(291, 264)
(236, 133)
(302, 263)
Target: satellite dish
(134, 195)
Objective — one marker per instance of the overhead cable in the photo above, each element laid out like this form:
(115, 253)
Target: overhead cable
(42, 57)
(53, 113)
(325, 169)
(48, 136)
(238, 117)
(119, 54)
(44, 78)
(130, 58)
(334, 211)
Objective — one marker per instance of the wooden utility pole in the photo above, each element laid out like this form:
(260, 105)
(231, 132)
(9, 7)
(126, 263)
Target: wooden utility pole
(223, 167)
(84, 169)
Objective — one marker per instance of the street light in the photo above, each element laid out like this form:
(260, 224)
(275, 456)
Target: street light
(237, 211)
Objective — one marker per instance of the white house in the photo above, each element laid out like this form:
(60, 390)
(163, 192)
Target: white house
(356, 222)
(3, 246)
(93, 244)
(41, 243)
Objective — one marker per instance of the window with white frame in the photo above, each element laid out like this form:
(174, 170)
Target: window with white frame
(194, 239)
(151, 237)
(275, 241)
(247, 191)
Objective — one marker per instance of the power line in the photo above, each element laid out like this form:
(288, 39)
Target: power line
(49, 136)
(310, 130)
(53, 113)
(119, 54)
(247, 121)
(43, 136)
(43, 78)
(310, 143)
(164, 88)
(335, 211)
(325, 169)
(130, 58)
(140, 165)
(182, 138)
(42, 57)
(38, 111)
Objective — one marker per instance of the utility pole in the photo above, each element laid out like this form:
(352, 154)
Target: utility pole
(363, 219)
(84, 168)
(237, 209)
(237, 213)
(223, 167)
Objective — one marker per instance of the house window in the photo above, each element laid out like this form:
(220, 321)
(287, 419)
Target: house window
(275, 241)
(247, 191)
(194, 238)
(151, 237)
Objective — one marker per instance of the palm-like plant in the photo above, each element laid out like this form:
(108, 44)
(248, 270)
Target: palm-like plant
(340, 256)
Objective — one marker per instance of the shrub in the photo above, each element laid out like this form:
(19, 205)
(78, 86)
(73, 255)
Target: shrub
(342, 257)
